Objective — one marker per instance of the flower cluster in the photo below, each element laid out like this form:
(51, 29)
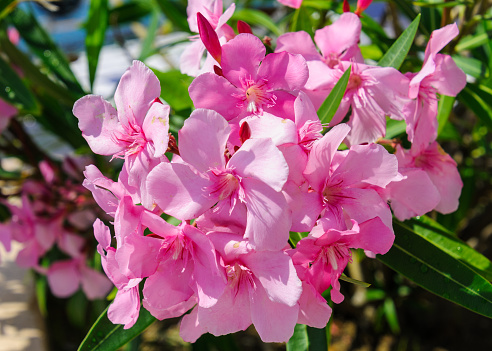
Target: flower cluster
(52, 219)
(253, 163)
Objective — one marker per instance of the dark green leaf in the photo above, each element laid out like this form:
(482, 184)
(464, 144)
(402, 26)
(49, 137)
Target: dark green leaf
(441, 4)
(106, 336)
(209, 342)
(396, 54)
(448, 242)
(96, 25)
(472, 41)
(479, 100)
(434, 269)
(302, 21)
(445, 107)
(307, 339)
(431, 18)
(256, 18)
(175, 13)
(174, 88)
(376, 33)
(331, 103)
(6, 6)
(45, 49)
(130, 11)
(391, 316)
(13, 90)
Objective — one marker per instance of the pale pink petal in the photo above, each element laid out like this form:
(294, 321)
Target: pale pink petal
(338, 37)
(64, 278)
(365, 204)
(276, 273)
(406, 196)
(94, 284)
(273, 321)
(291, 3)
(448, 79)
(305, 207)
(439, 39)
(136, 91)
(321, 77)
(284, 71)
(138, 256)
(296, 160)
(179, 191)
(156, 127)
(373, 236)
(268, 216)
(71, 244)
(214, 92)
(370, 164)
(190, 60)
(126, 220)
(241, 57)
(125, 307)
(313, 308)
(7, 111)
(281, 131)
(298, 43)
(367, 125)
(260, 159)
(319, 160)
(97, 121)
(202, 140)
(102, 235)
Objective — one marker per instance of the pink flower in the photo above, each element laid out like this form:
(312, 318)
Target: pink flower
(7, 111)
(343, 180)
(252, 178)
(138, 132)
(246, 87)
(439, 74)
(262, 288)
(291, 3)
(191, 58)
(321, 257)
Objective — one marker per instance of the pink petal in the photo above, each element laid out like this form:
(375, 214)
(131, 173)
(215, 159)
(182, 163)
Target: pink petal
(373, 236)
(94, 284)
(281, 131)
(268, 216)
(190, 60)
(71, 244)
(241, 57)
(448, 79)
(284, 71)
(319, 160)
(156, 127)
(305, 207)
(138, 256)
(276, 273)
(339, 36)
(214, 92)
(125, 307)
(64, 278)
(202, 140)
(103, 235)
(180, 192)
(291, 3)
(260, 159)
(97, 121)
(136, 91)
(365, 204)
(298, 43)
(313, 308)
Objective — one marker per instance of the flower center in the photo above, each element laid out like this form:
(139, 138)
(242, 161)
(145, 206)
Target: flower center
(332, 59)
(225, 185)
(257, 95)
(354, 82)
(237, 275)
(132, 138)
(337, 255)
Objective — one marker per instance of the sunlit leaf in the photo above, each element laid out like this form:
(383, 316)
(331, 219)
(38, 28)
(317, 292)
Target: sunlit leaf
(174, 88)
(97, 22)
(106, 336)
(307, 339)
(396, 54)
(256, 18)
(445, 107)
(331, 103)
(471, 66)
(434, 269)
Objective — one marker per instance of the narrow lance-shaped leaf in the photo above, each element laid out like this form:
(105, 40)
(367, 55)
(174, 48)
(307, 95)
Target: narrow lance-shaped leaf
(330, 105)
(437, 271)
(106, 336)
(97, 23)
(447, 241)
(396, 54)
(13, 90)
(45, 49)
(479, 100)
(307, 339)
(445, 108)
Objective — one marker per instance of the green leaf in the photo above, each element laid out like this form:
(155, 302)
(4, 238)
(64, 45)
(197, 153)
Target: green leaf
(396, 54)
(445, 107)
(106, 336)
(448, 242)
(331, 103)
(394, 128)
(434, 269)
(391, 316)
(302, 21)
(256, 18)
(174, 88)
(45, 49)
(13, 90)
(472, 41)
(6, 6)
(376, 33)
(319, 4)
(34, 75)
(431, 18)
(130, 11)
(471, 66)
(97, 23)
(307, 339)
(175, 13)
(479, 99)
(354, 281)
(441, 3)
(149, 38)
